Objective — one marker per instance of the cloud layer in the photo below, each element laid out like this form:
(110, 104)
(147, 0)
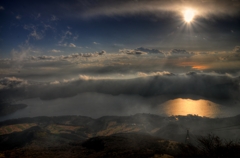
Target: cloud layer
(211, 86)
(122, 8)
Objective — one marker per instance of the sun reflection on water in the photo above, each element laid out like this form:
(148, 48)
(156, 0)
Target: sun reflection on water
(188, 106)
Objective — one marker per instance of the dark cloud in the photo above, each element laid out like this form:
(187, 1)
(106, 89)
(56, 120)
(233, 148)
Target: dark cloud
(149, 50)
(211, 86)
(181, 52)
(102, 52)
(236, 49)
(204, 8)
(93, 8)
(44, 57)
(132, 52)
(11, 82)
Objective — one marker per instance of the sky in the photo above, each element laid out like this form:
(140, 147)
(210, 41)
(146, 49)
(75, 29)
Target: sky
(76, 26)
(139, 50)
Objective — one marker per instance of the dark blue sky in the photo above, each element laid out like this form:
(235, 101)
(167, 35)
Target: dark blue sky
(47, 27)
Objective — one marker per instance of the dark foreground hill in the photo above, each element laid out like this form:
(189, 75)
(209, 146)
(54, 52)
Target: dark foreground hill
(141, 135)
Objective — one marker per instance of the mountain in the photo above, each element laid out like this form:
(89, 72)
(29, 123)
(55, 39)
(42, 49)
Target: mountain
(6, 109)
(140, 135)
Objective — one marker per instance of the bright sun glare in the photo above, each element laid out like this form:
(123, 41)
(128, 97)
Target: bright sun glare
(189, 15)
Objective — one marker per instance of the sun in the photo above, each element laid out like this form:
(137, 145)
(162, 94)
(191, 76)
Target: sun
(189, 15)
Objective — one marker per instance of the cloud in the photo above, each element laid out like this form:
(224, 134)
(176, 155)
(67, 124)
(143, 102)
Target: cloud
(38, 16)
(55, 51)
(149, 50)
(102, 52)
(210, 86)
(54, 18)
(126, 63)
(142, 51)
(206, 85)
(75, 37)
(123, 8)
(18, 17)
(35, 34)
(89, 54)
(132, 52)
(72, 45)
(12, 82)
(65, 36)
(54, 82)
(142, 74)
(180, 53)
(84, 77)
(44, 57)
(21, 54)
(95, 43)
(236, 49)
(63, 44)
(2, 8)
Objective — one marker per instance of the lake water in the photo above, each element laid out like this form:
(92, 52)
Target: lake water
(188, 106)
(96, 105)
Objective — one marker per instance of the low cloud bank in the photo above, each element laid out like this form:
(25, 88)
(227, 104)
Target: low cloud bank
(207, 85)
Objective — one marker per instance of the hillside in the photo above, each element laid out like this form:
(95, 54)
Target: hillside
(109, 136)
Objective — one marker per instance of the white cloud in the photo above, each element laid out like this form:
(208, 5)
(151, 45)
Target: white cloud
(34, 32)
(142, 74)
(72, 45)
(84, 77)
(65, 36)
(36, 35)
(95, 43)
(55, 51)
(54, 18)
